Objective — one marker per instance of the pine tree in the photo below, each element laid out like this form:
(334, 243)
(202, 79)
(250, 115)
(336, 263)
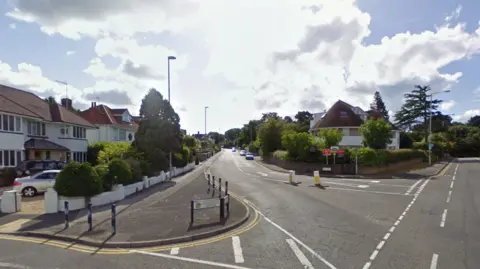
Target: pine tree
(416, 109)
(379, 106)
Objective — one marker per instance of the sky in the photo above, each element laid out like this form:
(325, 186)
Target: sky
(243, 58)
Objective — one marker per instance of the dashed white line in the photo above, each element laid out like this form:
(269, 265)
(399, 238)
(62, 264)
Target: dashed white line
(444, 218)
(433, 264)
(13, 265)
(392, 229)
(449, 196)
(378, 192)
(174, 251)
(301, 257)
(237, 249)
(263, 174)
(413, 187)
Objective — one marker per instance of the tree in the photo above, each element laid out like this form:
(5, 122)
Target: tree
(266, 116)
(270, 135)
(303, 121)
(331, 137)
(298, 146)
(376, 134)
(379, 106)
(416, 109)
(217, 137)
(50, 100)
(232, 134)
(287, 119)
(474, 121)
(159, 130)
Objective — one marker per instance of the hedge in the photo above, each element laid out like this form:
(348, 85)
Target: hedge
(119, 172)
(77, 179)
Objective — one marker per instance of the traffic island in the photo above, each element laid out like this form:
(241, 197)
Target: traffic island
(145, 223)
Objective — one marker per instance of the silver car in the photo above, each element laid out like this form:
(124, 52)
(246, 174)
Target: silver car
(38, 183)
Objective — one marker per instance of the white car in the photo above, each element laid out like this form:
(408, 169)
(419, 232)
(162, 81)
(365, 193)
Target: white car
(242, 152)
(38, 183)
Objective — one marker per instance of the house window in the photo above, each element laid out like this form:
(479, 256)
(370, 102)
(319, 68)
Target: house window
(115, 134)
(343, 114)
(123, 135)
(10, 123)
(5, 123)
(18, 124)
(64, 131)
(79, 132)
(36, 128)
(79, 157)
(10, 158)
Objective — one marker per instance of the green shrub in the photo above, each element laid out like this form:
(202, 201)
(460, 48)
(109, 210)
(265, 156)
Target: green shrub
(370, 157)
(93, 151)
(146, 168)
(113, 150)
(136, 169)
(254, 147)
(299, 145)
(119, 172)
(7, 176)
(101, 170)
(400, 155)
(78, 179)
(280, 154)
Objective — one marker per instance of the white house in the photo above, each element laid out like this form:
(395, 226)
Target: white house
(31, 128)
(348, 118)
(113, 125)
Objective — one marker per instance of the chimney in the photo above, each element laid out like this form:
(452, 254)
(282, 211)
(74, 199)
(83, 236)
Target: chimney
(94, 104)
(66, 103)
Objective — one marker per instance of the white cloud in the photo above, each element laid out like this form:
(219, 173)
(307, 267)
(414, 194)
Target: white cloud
(476, 94)
(455, 14)
(12, 26)
(284, 56)
(466, 115)
(447, 105)
(71, 52)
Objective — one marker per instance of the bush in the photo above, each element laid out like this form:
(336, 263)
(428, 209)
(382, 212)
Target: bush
(77, 179)
(400, 155)
(371, 157)
(136, 169)
(280, 154)
(254, 147)
(298, 146)
(101, 170)
(113, 150)
(146, 168)
(119, 172)
(7, 176)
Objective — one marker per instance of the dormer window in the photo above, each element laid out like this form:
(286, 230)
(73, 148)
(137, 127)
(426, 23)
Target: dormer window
(343, 114)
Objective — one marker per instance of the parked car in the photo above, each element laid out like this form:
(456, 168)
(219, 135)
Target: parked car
(38, 183)
(234, 149)
(243, 152)
(249, 156)
(32, 167)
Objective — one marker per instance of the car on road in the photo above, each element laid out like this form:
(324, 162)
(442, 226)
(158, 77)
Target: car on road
(243, 152)
(29, 186)
(234, 149)
(249, 156)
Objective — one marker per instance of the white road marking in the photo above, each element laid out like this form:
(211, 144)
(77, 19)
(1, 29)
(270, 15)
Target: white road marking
(162, 255)
(318, 256)
(375, 181)
(13, 226)
(392, 229)
(378, 192)
(174, 251)
(263, 174)
(363, 186)
(413, 187)
(301, 257)
(237, 249)
(433, 264)
(449, 196)
(451, 184)
(444, 218)
(13, 265)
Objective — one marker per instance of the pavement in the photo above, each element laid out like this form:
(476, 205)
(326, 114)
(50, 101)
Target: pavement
(418, 173)
(353, 223)
(158, 216)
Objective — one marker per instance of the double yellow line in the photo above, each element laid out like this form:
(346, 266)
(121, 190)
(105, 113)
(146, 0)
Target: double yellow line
(94, 250)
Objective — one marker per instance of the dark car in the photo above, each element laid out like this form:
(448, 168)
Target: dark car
(249, 156)
(32, 167)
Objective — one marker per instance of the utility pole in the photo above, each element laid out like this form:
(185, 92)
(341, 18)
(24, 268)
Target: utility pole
(170, 58)
(206, 121)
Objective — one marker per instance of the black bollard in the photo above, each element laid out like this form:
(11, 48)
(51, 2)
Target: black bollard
(219, 187)
(66, 215)
(226, 187)
(208, 180)
(191, 211)
(213, 182)
(222, 207)
(114, 219)
(228, 204)
(89, 217)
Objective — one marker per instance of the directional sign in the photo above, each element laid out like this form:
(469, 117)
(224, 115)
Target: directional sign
(327, 152)
(340, 151)
(206, 203)
(334, 148)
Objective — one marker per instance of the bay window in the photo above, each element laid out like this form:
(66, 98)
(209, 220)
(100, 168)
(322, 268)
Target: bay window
(10, 123)
(10, 158)
(79, 132)
(36, 128)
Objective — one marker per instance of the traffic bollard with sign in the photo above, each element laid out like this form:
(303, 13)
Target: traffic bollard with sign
(291, 176)
(316, 175)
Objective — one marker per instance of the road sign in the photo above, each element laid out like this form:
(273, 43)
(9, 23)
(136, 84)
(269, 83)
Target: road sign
(206, 203)
(327, 152)
(334, 148)
(313, 149)
(430, 146)
(340, 151)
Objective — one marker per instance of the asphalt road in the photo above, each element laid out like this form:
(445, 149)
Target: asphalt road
(391, 223)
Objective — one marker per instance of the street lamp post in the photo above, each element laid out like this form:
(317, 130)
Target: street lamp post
(206, 121)
(430, 127)
(170, 58)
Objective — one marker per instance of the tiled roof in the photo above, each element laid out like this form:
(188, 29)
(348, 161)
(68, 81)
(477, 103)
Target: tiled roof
(25, 103)
(103, 115)
(42, 144)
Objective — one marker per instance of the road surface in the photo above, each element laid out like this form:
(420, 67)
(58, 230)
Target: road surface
(391, 223)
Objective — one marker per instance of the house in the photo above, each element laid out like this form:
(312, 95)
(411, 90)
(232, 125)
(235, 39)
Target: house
(31, 128)
(113, 125)
(348, 118)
